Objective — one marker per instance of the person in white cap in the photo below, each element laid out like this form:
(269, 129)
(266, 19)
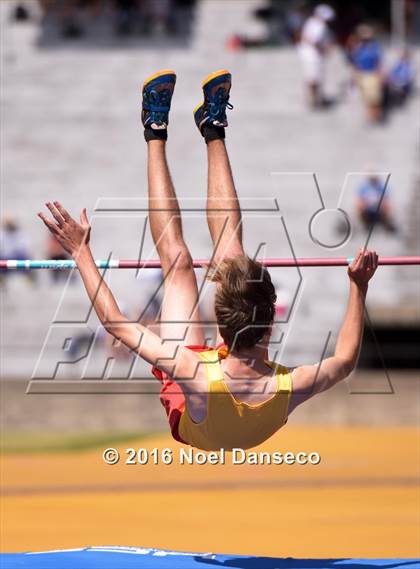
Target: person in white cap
(316, 39)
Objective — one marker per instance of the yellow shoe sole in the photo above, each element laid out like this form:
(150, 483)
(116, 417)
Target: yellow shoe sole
(214, 75)
(197, 107)
(208, 79)
(159, 74)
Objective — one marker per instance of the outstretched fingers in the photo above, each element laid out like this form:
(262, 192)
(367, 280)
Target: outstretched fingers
(51, 226)
(63, 212)
(83, 217)
(55, 213)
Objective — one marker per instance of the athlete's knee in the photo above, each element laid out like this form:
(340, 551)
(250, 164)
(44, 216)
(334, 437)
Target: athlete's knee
(177, 257)
(233, 249)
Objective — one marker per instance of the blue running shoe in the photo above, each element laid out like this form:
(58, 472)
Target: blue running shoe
(157, 94)
(216, 89)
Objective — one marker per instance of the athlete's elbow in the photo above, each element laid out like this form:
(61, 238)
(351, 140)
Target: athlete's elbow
(347, 366)
(109, 327)
(112, 323)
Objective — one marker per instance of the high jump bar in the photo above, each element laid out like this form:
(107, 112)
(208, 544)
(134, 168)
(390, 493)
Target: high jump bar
(197, 263)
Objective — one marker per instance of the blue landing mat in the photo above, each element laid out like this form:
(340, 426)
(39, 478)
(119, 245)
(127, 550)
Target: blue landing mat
(144, 558)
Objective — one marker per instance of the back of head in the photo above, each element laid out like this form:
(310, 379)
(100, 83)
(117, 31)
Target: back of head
(244, 303)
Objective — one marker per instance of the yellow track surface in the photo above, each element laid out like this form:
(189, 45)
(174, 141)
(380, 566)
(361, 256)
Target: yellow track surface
(361, 500)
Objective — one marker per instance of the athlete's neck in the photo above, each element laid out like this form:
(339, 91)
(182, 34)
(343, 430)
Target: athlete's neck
(250, 355)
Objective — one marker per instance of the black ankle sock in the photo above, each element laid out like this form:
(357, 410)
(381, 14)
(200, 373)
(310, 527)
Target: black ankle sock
(212, 132)
(155, 134)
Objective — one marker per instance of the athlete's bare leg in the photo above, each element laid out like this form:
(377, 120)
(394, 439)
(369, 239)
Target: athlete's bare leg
(180, 318)
(223, 209)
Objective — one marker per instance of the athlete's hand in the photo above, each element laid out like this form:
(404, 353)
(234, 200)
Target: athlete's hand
(70, 234)
(363, 268)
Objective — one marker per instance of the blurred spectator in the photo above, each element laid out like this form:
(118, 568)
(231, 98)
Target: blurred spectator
(400, 79)
(68, 15)
(366, 60)
(294, 20)
(373, 204)
(181, 16)
(147, 17)
(55, 252)
(125, 15)
(21, 13)
(315, 42)
(14, 245)
(156, 16)
(350, 87)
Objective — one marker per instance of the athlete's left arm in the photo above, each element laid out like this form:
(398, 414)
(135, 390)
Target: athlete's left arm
(308, 380)
(74, 238)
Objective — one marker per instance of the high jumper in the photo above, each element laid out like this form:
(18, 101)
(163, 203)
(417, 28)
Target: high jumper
(229, 396)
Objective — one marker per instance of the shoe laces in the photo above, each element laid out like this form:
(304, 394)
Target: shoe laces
(219, 104)
(160, 99)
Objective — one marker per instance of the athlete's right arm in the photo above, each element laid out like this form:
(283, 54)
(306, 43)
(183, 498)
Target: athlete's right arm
(74, 238)
(309, 380)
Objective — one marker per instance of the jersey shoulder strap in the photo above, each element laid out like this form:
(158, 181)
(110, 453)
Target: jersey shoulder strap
(283, 377)
(212, 365)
